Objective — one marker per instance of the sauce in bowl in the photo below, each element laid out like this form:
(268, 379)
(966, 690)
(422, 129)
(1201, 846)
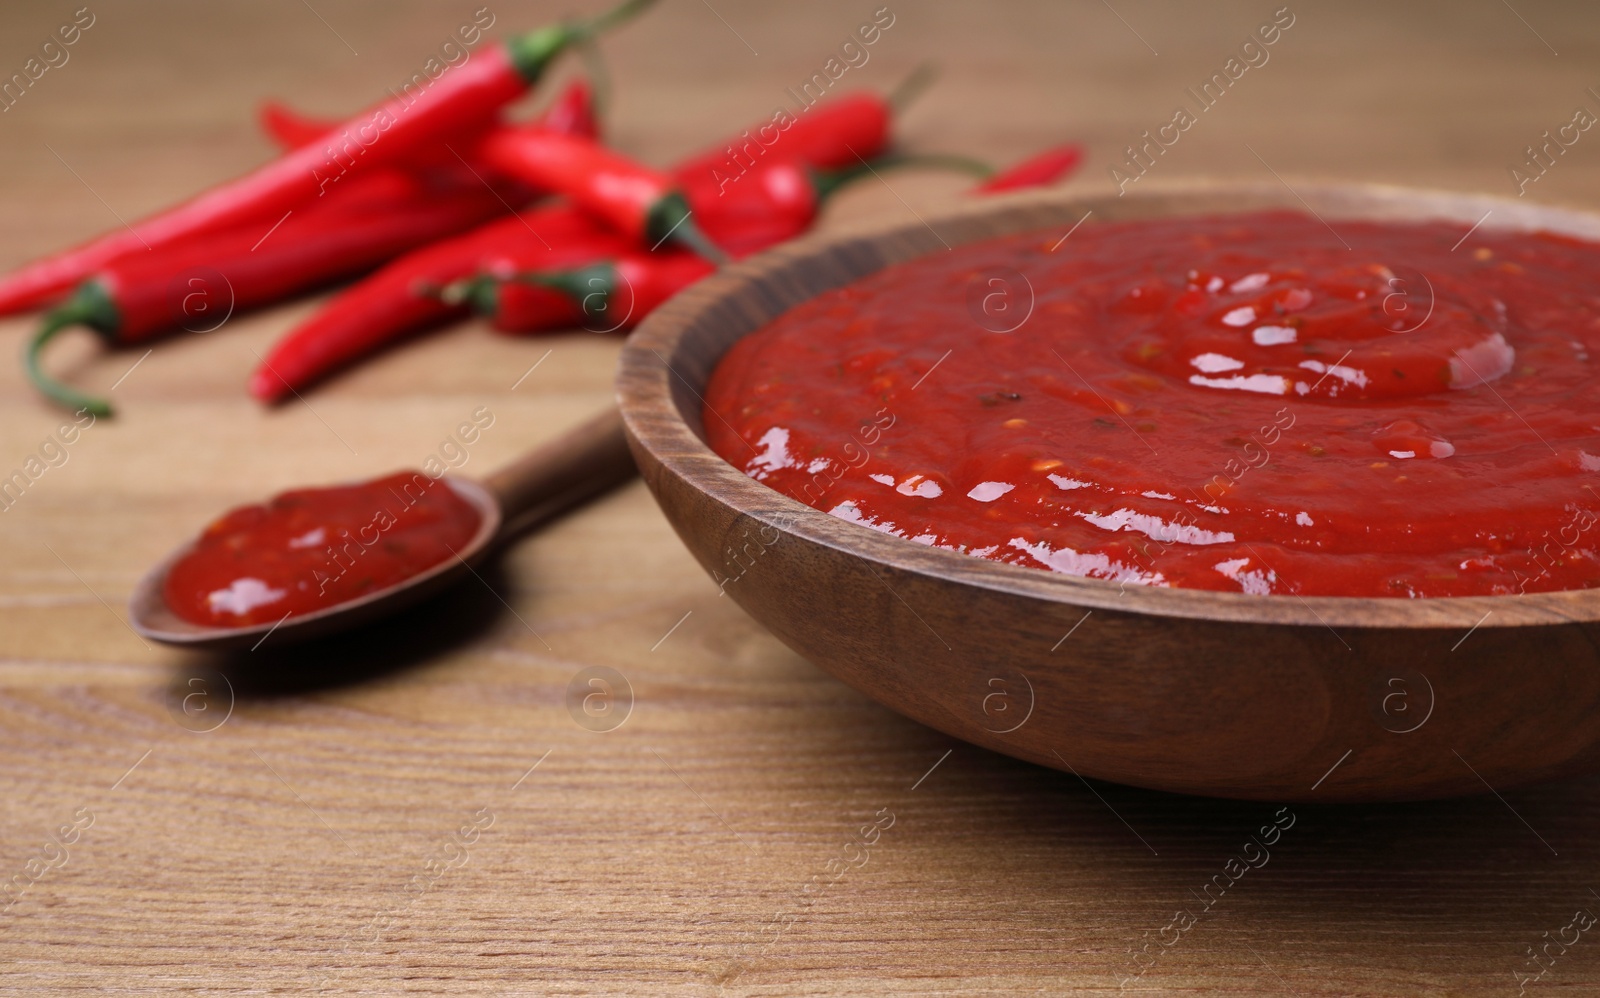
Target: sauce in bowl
(1255, 403)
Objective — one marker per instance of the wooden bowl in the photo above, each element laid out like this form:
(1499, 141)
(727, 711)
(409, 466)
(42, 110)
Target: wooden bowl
(1225, 694)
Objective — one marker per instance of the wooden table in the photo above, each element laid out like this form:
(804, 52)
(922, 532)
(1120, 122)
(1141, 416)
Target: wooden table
(312, 837)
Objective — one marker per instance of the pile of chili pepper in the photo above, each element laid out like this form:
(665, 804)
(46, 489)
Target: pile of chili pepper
(536, 225)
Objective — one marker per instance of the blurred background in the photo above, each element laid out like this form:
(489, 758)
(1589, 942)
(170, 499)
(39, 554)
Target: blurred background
(155, 97)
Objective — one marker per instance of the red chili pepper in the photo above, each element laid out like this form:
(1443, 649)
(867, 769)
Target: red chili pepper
(462, 100)
(779, 202)
(403, 296)
(779, 199)
(636, 200)
(604, 297)
(204, 280)
(572, 113)
(834, 134)
(1041, 170)
(290, 129)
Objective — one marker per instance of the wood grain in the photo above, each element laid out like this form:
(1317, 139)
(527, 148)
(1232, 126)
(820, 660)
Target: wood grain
(272, 854)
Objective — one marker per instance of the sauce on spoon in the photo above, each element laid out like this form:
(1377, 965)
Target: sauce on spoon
(308, 549)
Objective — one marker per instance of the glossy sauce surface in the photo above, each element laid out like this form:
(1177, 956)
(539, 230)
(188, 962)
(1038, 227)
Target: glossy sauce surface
(1254, 403)
(313, 548)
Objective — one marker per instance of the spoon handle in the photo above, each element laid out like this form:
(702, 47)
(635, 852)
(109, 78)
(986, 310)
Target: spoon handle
(578, 466)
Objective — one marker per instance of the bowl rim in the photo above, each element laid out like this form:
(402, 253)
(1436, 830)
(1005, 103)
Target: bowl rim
(652, 358)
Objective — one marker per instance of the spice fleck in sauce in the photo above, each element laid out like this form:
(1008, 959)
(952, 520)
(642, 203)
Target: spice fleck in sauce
(1251, 403)
(313, 548)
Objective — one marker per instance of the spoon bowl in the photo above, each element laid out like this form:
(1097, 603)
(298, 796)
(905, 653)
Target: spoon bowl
(1225, 694)
(576, 467)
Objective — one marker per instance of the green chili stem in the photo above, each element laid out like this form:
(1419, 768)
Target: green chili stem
(691, 237)
(481, 293)
(57, 392)
(669, 218)
(613, 17)
(599, 78)
(912, 87)
(533, 52)
(579, 284)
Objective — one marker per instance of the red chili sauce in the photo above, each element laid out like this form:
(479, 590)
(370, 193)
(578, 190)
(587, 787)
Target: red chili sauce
(314, 548)
(1253, 403)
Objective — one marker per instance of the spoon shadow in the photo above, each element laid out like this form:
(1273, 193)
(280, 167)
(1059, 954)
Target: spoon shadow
(405, 640)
